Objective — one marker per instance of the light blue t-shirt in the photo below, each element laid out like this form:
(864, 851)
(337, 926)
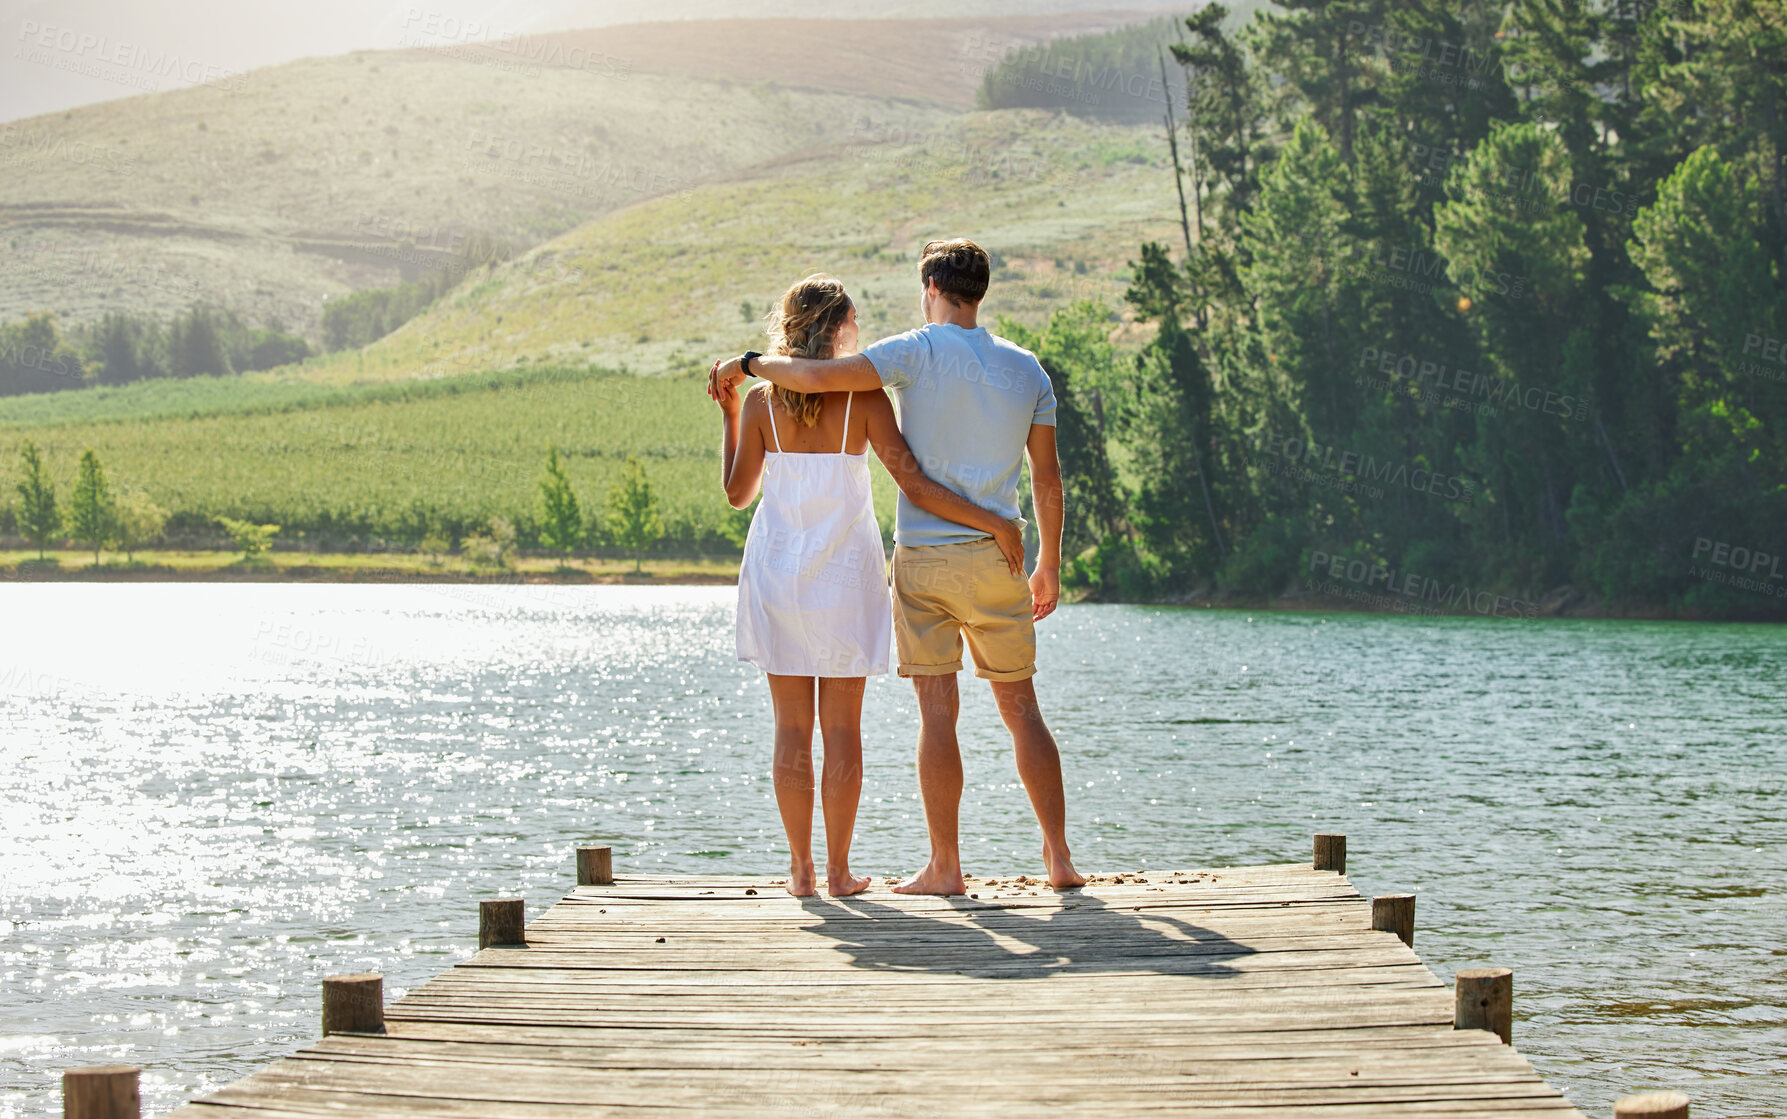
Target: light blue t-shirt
(967, 399)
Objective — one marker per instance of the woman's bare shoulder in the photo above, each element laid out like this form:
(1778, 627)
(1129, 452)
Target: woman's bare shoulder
(868, 403)
(757, 398)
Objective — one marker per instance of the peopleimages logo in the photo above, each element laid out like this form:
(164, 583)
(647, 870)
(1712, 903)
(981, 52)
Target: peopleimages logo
(1771, 351)
(1404, 590)
(1310, 455)
(1738, 557)
(75, 51)
(1738, 567)
(1429, 377)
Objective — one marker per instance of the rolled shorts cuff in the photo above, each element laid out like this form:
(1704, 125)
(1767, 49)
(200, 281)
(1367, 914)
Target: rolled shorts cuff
(931, 669)
(1005, 677)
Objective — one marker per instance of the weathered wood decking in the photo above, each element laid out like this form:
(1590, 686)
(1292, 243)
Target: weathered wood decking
(1255, 991)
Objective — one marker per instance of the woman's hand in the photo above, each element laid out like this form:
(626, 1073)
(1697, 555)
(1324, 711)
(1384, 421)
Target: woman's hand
(725, 374)
(722, 393)
(1010, 539)
(731, 401)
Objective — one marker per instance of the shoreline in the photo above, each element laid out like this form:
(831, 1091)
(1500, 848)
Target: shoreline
(701, 571)
(196, 566)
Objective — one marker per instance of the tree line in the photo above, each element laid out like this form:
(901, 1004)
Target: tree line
(38, 355)
(1482, 295)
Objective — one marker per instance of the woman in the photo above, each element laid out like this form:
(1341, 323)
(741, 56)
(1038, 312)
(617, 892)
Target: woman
(813, 606)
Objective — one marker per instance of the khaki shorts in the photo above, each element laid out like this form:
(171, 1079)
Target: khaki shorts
(944, 592)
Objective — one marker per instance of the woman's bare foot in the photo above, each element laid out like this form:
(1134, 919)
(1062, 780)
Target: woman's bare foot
(841, 884)
(800, 880)
(1062, 875)
(934, 879)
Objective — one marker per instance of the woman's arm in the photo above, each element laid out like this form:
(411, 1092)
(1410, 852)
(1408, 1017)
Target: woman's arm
(890, 446)
(741, 445)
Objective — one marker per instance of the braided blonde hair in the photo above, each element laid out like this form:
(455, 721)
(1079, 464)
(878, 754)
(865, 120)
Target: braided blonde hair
(805, 324)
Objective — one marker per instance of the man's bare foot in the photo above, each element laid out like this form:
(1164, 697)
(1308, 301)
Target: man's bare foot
(841, 884)
(934, 879)
(800, 880)
(1062, 875)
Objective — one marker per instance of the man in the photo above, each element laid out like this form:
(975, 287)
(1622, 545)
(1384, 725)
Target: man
(972, 405)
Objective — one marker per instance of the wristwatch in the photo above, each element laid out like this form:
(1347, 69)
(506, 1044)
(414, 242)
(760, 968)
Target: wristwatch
(744, 363)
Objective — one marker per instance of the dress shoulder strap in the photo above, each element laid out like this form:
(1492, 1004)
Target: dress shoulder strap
(844, 445)
(769, 399)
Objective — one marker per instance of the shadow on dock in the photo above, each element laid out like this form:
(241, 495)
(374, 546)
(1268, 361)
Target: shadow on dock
(993, 941)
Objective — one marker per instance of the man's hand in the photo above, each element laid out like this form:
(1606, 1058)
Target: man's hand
(1045, 591)
(724, 376)
(1010, 539)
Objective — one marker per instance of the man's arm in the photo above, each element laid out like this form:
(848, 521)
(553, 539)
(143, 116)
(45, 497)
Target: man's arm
(854, 373)
(1046, 497)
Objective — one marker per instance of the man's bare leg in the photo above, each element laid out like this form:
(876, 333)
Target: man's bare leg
(792, 772)
(840, 782)
(940, 784)
(1039, 767)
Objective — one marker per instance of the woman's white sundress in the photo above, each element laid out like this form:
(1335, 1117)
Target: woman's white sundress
(812, 590)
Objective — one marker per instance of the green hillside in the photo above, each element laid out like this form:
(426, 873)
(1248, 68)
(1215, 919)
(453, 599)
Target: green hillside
(444, 423)
(660, 287)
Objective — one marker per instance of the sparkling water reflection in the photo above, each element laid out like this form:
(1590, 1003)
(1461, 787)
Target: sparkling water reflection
(215, 795)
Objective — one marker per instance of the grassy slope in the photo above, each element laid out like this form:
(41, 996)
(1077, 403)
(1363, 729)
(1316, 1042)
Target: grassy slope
(321, 446)
(658, 287)
(306, 179)
(277, 189)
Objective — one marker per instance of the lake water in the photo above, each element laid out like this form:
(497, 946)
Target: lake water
(212, 796)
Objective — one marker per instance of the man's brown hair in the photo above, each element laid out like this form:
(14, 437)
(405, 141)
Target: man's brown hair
(959, 267)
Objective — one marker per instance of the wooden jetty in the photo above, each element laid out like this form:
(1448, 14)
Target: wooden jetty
(1242, 991)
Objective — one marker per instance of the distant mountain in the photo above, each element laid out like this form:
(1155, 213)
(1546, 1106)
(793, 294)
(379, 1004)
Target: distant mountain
(66, 53)
(270, 192)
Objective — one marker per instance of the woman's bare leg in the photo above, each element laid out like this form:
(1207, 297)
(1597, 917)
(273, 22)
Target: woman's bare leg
(793, 774)
(840, 722)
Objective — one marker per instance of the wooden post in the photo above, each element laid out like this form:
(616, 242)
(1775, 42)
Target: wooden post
(354, 1004)
(500, 923)
(595, 866)
(1652, 1105)
(1330, 853)
(1395, 913)
(1483, 999)
(101, 1092)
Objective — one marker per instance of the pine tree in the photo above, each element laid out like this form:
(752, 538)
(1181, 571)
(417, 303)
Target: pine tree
(39, 517)
(633, 512)
(1710, 293)
(1324, 49)
(562, 526)
(90, 505)
(1714, 75)
(1224, 113)
(126, 349)
(195, 346)
(250, 539)
(1302, 271)
(1518, 259)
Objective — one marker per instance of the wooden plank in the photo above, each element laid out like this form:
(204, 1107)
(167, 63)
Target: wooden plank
(1236, 991)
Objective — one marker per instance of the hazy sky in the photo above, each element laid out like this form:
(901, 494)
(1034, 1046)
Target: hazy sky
(63, 53)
